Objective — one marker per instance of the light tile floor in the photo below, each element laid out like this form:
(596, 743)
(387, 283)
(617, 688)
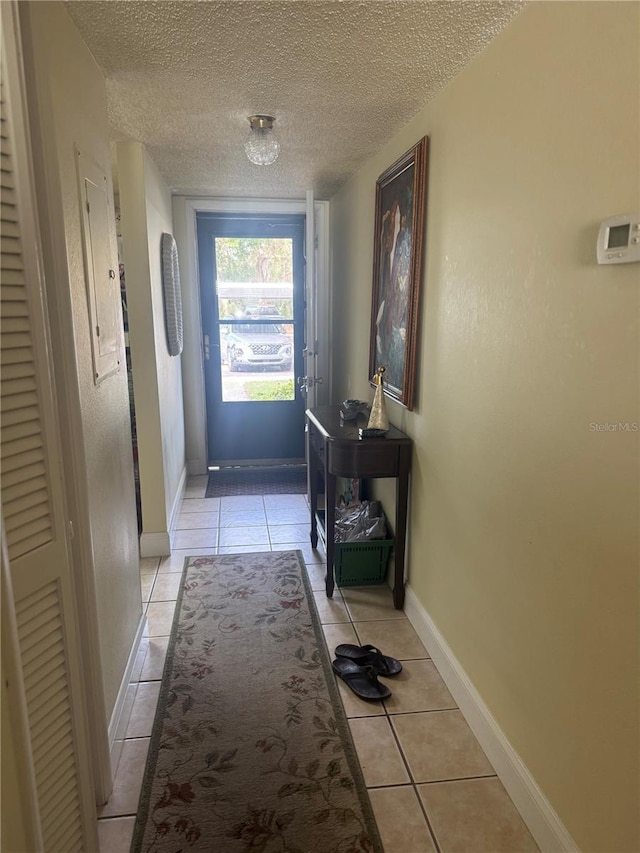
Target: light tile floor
(430, 784)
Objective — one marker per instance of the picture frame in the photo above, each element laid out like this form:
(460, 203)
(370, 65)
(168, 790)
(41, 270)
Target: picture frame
(397, 271)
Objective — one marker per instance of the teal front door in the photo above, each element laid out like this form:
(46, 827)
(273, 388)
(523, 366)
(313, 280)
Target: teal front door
(252, 298)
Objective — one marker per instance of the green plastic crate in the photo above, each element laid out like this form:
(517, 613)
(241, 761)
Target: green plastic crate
(361, 563)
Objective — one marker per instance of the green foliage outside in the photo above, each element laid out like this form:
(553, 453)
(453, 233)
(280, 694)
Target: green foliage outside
(254, 259)
(281, 389)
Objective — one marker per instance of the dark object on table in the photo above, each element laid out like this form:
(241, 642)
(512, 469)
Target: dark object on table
(370, 432)
(350, 409)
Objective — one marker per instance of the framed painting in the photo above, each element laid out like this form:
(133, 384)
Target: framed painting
(397, 271)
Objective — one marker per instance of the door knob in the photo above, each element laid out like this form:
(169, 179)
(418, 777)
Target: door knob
(306, 382)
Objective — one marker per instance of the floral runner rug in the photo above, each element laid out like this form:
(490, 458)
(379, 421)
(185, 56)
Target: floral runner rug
(250, 749)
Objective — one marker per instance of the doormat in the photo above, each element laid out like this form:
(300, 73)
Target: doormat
(250, 748)
(288, 480)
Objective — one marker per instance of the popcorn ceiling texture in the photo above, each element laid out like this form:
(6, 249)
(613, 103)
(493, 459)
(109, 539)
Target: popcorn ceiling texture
(340, 77)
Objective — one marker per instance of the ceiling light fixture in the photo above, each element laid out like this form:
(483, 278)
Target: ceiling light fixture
(262, 145)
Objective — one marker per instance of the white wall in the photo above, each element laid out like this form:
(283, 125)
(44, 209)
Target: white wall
(68, 99)
(159, 221)
(524, 519)
(145, 206)
(192, 356)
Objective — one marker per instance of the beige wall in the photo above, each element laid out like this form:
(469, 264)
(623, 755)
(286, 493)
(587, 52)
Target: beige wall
(70, 100)
(524, 519)
(145, 206)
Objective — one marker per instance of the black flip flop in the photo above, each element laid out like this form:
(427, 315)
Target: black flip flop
(361, 679)
(369, 656)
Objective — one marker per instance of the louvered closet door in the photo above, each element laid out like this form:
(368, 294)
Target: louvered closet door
(32, 504)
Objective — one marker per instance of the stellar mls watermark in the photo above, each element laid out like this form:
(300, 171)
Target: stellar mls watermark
(617, 426)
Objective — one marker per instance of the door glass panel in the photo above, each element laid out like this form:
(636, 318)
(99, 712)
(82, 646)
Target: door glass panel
(254, 292)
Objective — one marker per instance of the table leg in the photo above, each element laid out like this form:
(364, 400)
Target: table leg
(330, 524)
(402, 496)
(312, 487)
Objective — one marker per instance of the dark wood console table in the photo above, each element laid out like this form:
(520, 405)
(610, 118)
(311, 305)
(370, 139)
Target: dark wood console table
(335, 448)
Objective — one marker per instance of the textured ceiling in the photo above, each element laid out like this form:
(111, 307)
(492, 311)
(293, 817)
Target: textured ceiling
(340, 77)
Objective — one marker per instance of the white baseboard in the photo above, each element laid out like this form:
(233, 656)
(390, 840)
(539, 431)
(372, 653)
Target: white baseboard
(544, 824)
(159, 544)
(155, 544)
(177, 501)
(126, 681)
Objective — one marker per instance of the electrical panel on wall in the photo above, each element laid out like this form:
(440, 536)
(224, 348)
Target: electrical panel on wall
(101, 268)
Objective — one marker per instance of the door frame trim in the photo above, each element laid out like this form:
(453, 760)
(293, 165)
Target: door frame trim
(230, 420)
(185, 209)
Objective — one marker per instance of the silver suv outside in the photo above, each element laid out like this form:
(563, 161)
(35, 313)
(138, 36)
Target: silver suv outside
(258, 345)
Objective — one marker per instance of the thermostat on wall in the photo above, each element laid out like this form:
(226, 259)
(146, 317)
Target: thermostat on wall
(619, 239)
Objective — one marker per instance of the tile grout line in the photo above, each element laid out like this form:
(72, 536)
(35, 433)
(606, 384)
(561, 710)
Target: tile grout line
(412, 783)
(424, 711)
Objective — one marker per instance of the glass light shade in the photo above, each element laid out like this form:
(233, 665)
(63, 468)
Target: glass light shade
(262, 146)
